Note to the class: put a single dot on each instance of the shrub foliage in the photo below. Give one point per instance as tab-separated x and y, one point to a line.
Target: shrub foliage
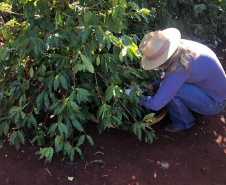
64	63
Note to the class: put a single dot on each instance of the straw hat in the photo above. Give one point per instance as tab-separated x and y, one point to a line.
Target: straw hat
158	46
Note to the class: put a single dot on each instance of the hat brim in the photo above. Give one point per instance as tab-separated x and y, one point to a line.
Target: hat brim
174	37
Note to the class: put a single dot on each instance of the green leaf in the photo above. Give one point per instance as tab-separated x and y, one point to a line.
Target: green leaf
33	120
72	153
56	82
31	72
126	40
77	67
87	16
99	35
74	106
5	54
63	129
4	128
135	128
58	143
130	52
39	138
1	96
109	93
49	42
133	51
82	95
88	64
63	82
108	43
14	110
36	45
199	8
46	100
98	60
21	136
16	138
60	109
42	70
79	152
139	132
52	129
149	137
149	117
39	100
103	110
70	21
47	153
85	34
90	140
29	9
94	44
117	120
22	114
123	53
138	16
56	42
41	45
17	117
81	140
72	95
58	19
77	125
116	41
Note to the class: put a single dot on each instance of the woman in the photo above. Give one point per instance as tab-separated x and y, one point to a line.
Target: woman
194	78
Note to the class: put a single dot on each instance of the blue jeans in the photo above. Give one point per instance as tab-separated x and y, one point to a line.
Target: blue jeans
191	98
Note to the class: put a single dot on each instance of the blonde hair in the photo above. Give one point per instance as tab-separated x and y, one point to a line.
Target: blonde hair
181	57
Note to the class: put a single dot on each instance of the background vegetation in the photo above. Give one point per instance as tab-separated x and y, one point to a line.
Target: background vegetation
64	63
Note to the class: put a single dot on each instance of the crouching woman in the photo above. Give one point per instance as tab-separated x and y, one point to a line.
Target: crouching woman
194	78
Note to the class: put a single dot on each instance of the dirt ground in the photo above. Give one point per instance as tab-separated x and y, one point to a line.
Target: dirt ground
193	157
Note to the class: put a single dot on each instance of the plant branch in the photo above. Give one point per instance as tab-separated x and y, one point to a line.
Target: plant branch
94	87
28	137
128	110
103	78
186	19
15	13
6	11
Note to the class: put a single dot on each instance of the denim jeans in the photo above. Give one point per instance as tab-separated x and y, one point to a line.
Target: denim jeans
191	98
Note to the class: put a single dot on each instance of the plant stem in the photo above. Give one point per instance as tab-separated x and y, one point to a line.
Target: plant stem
127	110
28	137
95	87
6	11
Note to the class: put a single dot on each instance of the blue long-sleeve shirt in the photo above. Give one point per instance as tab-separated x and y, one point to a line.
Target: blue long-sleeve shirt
207	74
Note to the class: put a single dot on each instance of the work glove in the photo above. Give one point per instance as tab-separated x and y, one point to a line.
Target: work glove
127	91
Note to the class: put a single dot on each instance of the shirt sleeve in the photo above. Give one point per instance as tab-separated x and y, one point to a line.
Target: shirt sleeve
168	89
157	83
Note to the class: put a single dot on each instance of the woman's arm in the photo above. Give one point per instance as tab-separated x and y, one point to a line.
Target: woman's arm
155	85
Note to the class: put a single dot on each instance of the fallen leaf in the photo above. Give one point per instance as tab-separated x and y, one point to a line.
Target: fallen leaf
70	178
98	161
169	138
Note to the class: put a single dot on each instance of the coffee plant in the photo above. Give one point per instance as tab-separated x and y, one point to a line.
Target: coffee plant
64	63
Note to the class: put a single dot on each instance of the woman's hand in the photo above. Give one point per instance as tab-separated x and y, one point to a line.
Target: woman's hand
150	87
